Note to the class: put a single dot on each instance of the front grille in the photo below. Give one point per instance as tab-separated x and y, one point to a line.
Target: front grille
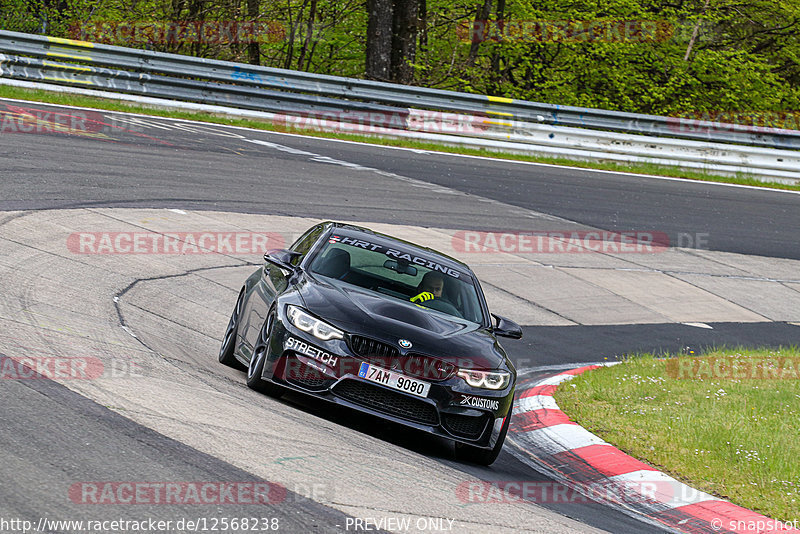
386	401
412	364
303	375
465	426
366	348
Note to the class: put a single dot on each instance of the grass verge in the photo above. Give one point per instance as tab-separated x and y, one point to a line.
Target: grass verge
727	423
68	99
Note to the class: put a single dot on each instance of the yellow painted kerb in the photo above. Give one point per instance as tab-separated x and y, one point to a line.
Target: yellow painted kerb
500	99
72	42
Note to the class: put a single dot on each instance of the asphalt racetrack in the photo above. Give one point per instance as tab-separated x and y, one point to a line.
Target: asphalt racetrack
161	410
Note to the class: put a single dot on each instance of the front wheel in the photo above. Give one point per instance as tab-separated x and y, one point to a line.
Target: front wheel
226	356
256	367
476	455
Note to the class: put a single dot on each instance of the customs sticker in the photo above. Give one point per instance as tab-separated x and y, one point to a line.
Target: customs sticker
478	402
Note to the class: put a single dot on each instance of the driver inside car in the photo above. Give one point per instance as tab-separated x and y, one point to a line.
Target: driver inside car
431	287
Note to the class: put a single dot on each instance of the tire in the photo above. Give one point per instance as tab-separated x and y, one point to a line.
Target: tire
226	356
256	367
476	455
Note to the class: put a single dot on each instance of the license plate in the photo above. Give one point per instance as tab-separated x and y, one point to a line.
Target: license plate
394	380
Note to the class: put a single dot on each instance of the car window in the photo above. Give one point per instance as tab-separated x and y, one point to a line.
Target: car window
304	243
400	274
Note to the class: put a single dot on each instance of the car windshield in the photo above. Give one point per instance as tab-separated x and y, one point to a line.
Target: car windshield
402	274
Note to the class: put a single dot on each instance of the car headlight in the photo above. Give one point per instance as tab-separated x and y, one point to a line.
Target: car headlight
485	379
308	323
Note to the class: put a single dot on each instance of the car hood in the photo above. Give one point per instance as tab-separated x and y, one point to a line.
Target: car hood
368	313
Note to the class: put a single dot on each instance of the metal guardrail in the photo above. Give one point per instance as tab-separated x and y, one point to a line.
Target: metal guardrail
44	70
350	105
471	131
280	90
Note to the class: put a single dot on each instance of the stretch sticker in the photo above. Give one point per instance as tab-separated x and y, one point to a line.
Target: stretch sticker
311	351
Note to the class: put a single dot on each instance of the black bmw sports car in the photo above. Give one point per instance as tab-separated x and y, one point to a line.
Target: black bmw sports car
382	326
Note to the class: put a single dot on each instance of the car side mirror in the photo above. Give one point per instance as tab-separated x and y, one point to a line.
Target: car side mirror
506	328
282	258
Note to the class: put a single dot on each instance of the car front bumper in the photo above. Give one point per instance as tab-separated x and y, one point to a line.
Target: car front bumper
330	370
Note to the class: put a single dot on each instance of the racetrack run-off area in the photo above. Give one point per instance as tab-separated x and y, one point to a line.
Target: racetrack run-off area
85	276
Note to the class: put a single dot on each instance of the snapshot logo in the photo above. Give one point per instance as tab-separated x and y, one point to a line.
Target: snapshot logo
172	32
628	492
754	525
169	493
566	31
561	242
734	368
174	242
65	368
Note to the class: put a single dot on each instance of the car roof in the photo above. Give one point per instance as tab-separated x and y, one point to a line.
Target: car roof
351	230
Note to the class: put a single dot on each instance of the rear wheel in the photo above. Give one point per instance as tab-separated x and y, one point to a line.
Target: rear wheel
256	367
228	347
476	455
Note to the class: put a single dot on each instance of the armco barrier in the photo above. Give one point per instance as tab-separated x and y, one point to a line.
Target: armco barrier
501	123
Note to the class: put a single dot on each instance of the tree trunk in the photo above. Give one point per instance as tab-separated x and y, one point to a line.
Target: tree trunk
196	14
404	40
423	24
293	26
481	18
309	35
496	76
694	35
379	40
253	48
